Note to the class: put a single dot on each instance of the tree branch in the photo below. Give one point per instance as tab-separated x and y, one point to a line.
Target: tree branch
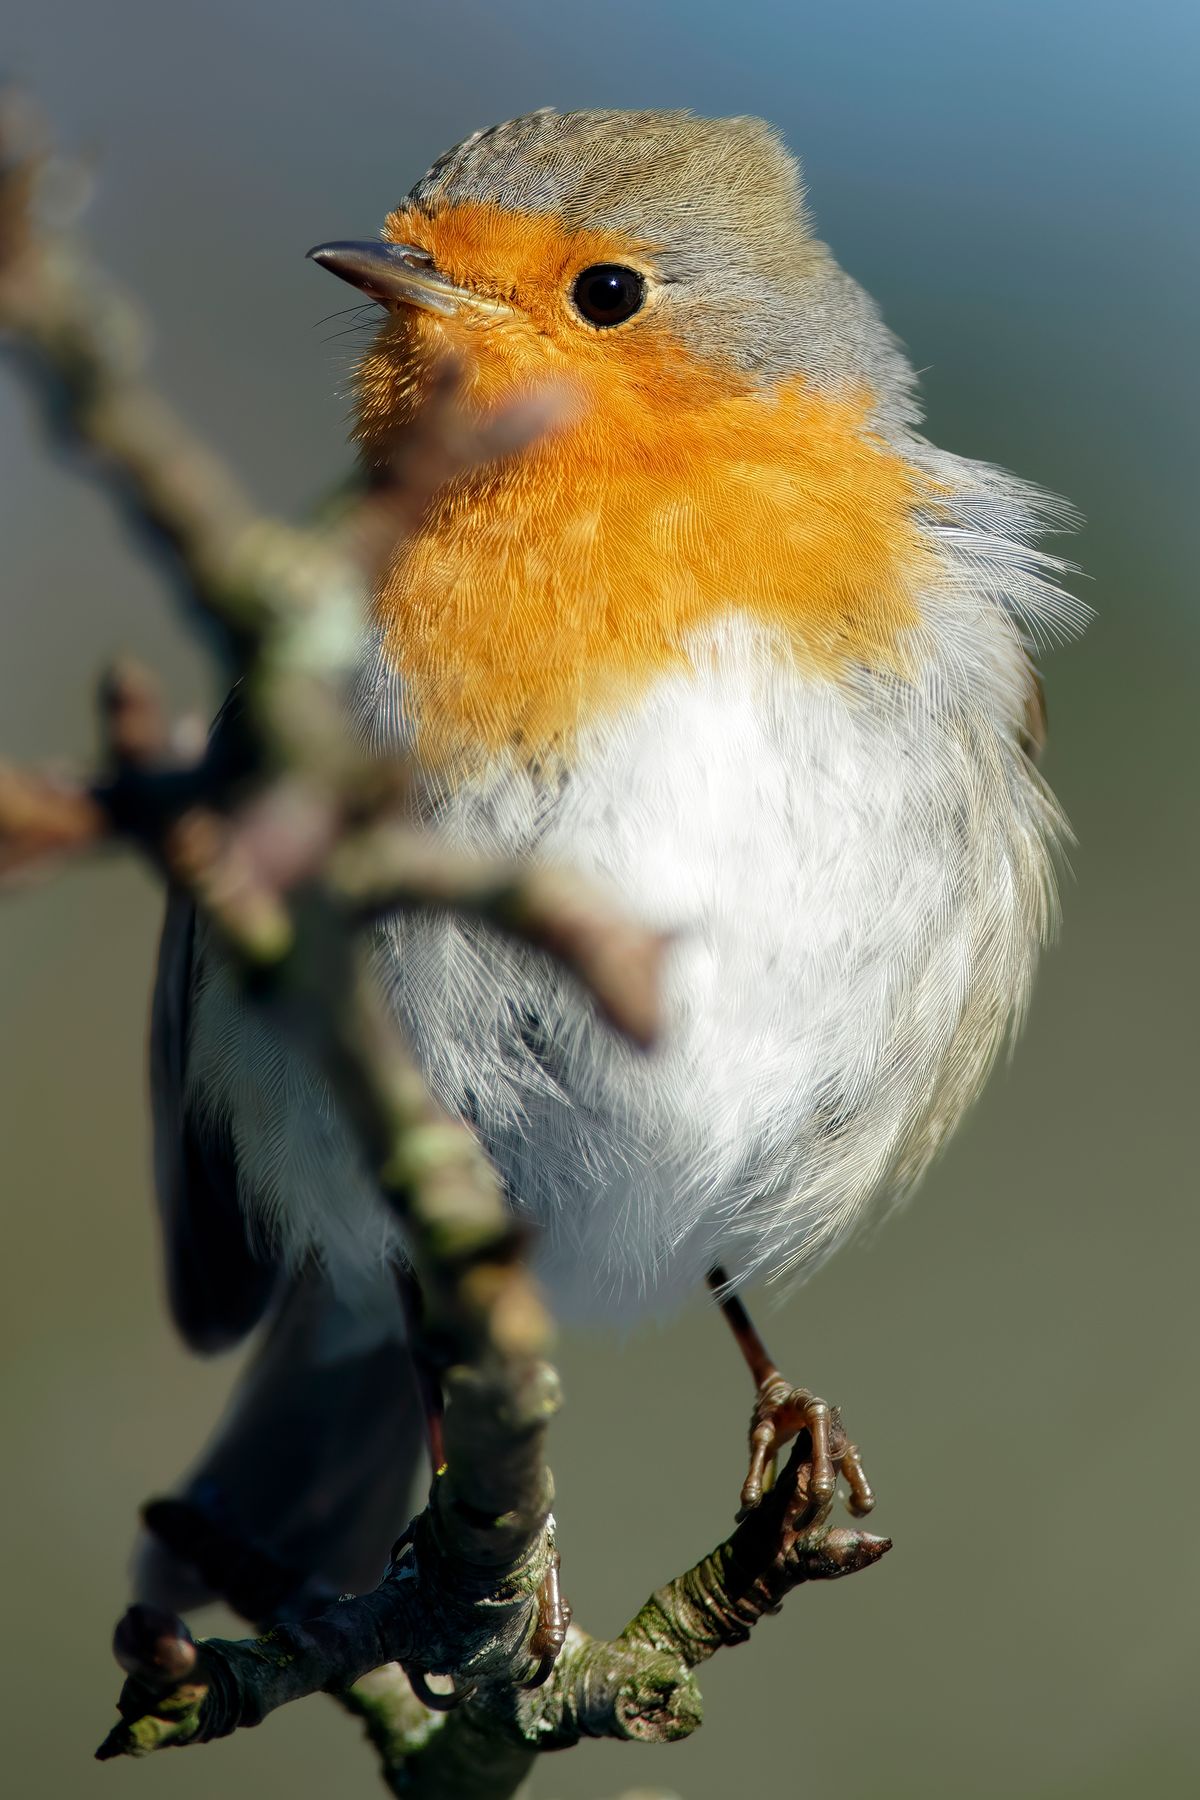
393	868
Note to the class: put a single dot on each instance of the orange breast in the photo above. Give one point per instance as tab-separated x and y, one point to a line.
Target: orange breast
553	589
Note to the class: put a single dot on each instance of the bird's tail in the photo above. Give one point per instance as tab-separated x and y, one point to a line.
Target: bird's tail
308	1479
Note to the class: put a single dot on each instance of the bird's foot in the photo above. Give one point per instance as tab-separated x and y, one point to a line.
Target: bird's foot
548	1637
553	1619
781	1413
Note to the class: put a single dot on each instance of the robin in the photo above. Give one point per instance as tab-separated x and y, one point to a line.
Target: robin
738	642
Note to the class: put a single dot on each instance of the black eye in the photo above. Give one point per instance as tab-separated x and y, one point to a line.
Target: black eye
608	294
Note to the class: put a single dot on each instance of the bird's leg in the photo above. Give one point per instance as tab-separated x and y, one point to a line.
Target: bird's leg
781	1412
429	1385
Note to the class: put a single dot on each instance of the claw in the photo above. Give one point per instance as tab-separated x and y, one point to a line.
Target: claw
437	1699
823	1479
554	1618
762	1453
780	1414
862	1497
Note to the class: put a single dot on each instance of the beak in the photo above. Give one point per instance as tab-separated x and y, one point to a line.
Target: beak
399	275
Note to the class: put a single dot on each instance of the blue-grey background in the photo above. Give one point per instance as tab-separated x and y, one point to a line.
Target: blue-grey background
1017	184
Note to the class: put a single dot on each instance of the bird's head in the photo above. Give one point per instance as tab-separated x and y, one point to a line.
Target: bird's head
654	259
731	448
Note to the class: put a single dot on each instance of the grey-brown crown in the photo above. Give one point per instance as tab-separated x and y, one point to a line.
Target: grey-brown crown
668	177
721	203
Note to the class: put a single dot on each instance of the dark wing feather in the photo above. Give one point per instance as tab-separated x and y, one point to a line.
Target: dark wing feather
313	1461
218	1284
312	1466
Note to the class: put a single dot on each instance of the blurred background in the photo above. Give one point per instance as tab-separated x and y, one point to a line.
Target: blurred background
1016	182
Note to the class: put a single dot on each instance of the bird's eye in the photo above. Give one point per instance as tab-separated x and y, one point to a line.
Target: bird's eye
608	294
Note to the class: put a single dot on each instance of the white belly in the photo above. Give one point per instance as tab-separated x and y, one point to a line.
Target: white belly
856	876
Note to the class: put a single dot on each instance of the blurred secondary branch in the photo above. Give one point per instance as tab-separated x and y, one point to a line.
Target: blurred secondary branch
292	840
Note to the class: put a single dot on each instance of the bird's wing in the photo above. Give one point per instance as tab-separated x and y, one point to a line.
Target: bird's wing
219	1282
312	1466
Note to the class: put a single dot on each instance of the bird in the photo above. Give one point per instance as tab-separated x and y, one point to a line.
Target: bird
739	643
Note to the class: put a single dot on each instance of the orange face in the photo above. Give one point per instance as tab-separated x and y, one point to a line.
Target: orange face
555	587
527	262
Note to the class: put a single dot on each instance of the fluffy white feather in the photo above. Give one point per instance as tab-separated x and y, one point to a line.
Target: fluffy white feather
858	874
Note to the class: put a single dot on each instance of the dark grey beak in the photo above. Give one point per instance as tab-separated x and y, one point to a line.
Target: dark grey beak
398	275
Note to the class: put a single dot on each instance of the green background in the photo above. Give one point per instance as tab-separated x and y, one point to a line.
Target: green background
1016	183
